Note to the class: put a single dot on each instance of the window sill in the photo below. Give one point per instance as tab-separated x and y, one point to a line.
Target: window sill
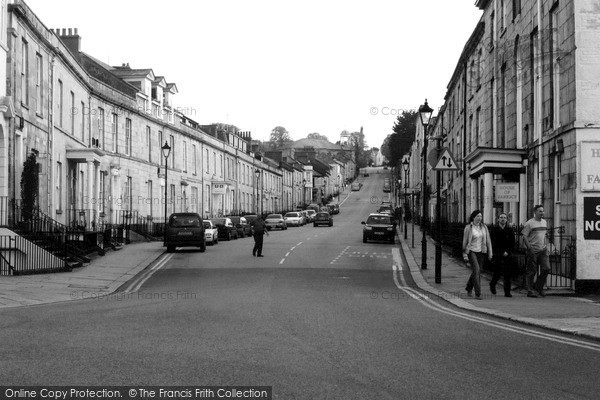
59	212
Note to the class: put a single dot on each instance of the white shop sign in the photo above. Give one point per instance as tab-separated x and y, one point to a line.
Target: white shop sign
507	192
590	166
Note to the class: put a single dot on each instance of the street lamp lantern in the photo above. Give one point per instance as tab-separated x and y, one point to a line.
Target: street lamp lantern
166	151
425	114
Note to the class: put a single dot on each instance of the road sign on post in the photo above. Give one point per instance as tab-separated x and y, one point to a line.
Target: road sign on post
446	161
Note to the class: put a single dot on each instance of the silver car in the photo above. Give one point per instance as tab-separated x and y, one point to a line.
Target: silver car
275	221
294	218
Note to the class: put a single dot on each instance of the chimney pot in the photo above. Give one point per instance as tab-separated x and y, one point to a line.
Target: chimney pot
75	31
64	31
70	32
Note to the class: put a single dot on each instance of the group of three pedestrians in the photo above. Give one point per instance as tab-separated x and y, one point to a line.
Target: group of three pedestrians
498	247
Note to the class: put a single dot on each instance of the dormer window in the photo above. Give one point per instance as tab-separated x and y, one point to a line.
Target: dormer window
154	94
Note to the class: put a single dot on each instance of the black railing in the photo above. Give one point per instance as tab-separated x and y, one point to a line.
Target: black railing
561	249
19	256
82	219
152	228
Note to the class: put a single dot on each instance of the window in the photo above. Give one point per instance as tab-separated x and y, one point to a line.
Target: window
149	200
492	30
477	128
207	162
128	136
59	188
185	157
101	192
502	108
60	104
128	195
101	127
115	133
221	164
195	155
501	11
72	113
82	121
24	73
39	94
516	8
149	142
172	156
161	142
214	163
172	198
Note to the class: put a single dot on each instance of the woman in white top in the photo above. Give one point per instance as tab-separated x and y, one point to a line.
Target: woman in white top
477	243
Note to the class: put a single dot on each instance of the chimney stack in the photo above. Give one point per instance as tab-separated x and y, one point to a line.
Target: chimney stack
71	39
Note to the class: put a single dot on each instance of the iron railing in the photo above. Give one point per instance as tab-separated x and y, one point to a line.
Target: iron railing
19	256
561	248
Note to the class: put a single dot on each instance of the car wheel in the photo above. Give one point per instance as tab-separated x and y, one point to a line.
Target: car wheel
243	235
228	235
364	239
331	224
170	249
216	240
203	247
392	240
314	225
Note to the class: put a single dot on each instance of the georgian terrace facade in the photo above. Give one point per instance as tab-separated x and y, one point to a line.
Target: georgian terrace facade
522	118
97	131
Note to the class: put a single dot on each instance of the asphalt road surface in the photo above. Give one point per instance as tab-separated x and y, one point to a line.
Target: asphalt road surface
321	316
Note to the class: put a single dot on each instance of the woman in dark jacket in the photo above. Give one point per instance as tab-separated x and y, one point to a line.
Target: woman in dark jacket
503	242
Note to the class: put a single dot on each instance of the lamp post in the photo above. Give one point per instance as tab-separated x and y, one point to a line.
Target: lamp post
166	151
257	173
406	167
425	114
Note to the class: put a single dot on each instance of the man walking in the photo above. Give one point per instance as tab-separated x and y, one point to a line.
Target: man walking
534	237
259	228
503	243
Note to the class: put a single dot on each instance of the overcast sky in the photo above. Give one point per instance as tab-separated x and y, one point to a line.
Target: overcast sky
309	66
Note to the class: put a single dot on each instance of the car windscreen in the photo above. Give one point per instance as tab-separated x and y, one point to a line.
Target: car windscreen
323	215
288	215
379	219
274	216
219	221
184	221
206	225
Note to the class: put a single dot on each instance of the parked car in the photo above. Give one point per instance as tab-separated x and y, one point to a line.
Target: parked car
323	218
385	209
311	215
211	233
379	227
185	229
334	209
387	188
314	207
294	218
355	186
241	224
275	221
226	228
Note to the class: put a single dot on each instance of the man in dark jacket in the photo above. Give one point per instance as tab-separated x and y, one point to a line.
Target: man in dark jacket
259	228
503	243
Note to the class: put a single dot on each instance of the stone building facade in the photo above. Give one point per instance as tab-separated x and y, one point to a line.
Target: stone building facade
98	131
521	117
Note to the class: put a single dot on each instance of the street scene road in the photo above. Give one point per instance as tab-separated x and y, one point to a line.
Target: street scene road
321	316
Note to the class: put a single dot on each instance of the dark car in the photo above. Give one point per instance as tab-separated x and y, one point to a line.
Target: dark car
227	230
334	208
379	227
243	227
323	218
185	229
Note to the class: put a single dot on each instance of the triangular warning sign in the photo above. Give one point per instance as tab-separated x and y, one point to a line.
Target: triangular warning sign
446	161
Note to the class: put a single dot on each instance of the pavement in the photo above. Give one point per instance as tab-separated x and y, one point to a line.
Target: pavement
560	310
579	315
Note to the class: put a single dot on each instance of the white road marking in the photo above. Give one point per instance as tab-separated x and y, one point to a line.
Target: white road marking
287	254
282	260
137	284
427	302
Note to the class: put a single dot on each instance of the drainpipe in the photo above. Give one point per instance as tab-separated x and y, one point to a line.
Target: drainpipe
464	143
